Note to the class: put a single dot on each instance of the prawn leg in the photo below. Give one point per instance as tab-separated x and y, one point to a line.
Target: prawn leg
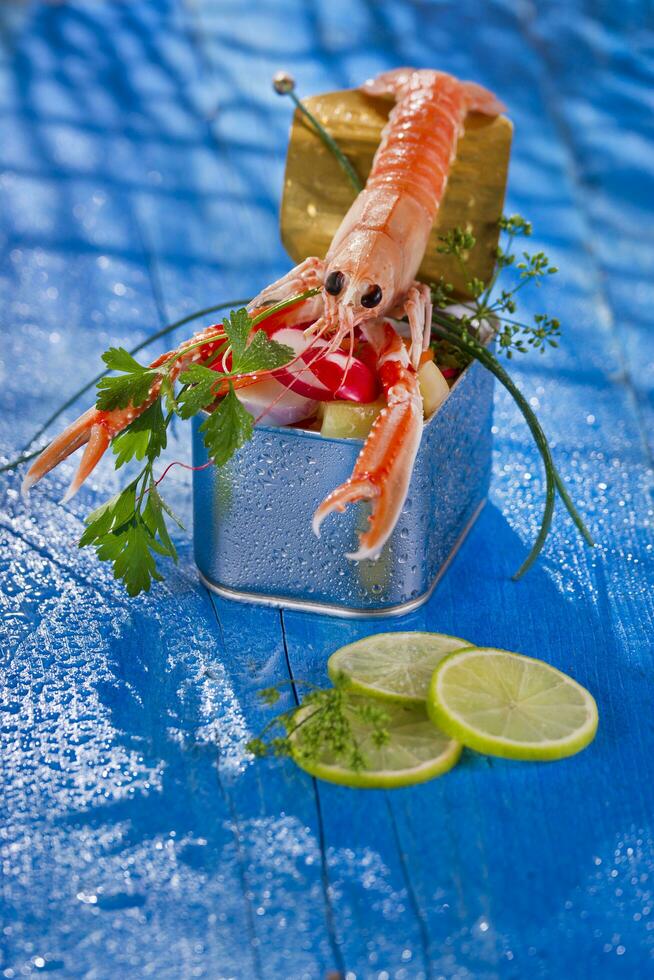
382	472
418	308
307	275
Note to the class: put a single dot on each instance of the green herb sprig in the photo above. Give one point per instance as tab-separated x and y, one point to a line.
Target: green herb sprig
459	338
27	455
321	723
130	530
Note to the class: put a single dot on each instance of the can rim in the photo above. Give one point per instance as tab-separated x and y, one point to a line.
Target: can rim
298	433
335	609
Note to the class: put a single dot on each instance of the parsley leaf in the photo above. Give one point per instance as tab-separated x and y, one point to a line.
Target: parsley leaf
119	359
111	516
202	391
129	531
153	519
203	385
227	428
238	328
132	387
262	354
146	435
130	553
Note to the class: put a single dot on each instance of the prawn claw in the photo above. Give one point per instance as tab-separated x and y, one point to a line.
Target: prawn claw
382	472
72	438
348	493
96	447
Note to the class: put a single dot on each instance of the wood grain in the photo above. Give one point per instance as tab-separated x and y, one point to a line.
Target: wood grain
138	838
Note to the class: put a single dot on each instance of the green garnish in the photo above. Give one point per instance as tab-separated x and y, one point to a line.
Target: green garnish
227	428
325	715
357	740
130	530
460	333
145	436
131	386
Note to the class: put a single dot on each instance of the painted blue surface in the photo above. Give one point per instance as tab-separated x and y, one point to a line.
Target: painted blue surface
141	158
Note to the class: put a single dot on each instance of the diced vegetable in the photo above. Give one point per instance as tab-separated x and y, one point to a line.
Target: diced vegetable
349	420
352	420
324	376
274	404
433	387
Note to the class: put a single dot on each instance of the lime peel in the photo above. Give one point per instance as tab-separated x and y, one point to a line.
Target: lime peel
479	695
393	667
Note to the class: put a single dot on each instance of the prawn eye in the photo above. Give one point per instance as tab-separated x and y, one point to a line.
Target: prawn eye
334	283
372	298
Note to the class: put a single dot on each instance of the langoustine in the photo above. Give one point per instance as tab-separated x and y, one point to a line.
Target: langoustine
369	272
367	276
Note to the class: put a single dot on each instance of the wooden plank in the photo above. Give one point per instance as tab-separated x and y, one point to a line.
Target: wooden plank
317	193
109	780
273	807
610	177
367	874
496	869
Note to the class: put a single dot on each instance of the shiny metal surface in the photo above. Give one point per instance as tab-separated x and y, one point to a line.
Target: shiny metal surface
252	518
343	612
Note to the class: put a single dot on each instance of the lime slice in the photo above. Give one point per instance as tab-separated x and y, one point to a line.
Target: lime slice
415	751
504	704
393	666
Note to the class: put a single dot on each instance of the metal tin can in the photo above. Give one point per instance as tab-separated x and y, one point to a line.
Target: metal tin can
252	517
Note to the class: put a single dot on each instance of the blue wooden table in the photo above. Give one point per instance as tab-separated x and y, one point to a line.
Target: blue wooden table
141	156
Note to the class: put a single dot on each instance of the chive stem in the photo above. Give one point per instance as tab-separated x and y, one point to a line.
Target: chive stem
329	142
25	457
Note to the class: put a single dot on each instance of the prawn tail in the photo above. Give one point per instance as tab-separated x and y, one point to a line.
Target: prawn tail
96	447
479	99
84	431
388	82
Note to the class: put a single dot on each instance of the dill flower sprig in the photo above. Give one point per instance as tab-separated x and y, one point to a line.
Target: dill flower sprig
321	722
462	335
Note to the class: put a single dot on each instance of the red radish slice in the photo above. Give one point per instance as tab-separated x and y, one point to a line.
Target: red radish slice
359	384
298	375
325	377
274	403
